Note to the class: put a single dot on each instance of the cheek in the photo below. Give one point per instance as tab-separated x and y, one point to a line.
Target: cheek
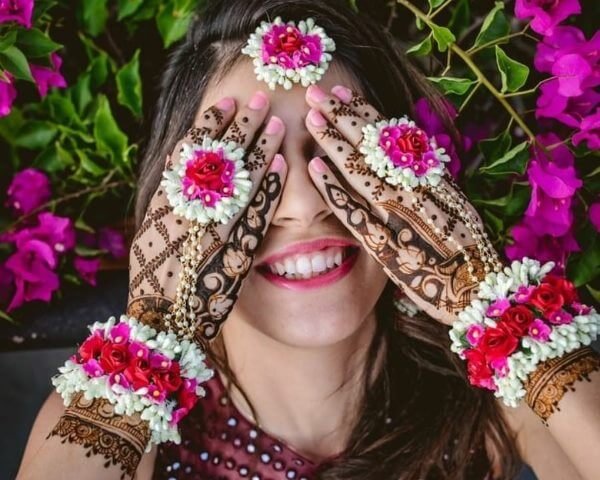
314	318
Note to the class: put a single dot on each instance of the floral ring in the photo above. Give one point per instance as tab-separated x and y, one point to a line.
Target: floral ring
402	153
209	182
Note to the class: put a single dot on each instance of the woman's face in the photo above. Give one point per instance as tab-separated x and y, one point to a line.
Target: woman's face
310	307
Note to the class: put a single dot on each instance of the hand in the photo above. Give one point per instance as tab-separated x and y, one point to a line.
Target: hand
227	250
427	242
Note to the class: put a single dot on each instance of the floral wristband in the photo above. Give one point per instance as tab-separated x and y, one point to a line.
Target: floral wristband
137	370
523	316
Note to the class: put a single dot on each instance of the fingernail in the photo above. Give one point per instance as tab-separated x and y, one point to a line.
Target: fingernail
277	163
343	93
225	104
274	126
258	101
315	117
315	94
318	165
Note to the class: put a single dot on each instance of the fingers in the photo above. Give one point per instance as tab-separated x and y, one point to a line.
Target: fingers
247	121
223	273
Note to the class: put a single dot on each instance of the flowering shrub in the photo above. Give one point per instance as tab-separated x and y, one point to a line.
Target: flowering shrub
521	81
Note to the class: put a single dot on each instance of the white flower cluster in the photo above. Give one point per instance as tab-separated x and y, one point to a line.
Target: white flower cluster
274	74
406	306
195	210
73	379
382	165
563	338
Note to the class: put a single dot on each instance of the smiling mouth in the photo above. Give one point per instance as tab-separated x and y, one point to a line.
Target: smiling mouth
307	266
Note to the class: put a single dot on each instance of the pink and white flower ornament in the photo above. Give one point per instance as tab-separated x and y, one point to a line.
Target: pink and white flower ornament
209	182
286	53
400	152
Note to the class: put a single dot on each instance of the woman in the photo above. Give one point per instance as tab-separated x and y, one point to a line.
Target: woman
317	374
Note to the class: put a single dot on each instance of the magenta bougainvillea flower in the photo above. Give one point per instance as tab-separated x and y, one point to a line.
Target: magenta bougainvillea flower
553	181
589	131
87	268
527	242
546	14
594	213
112	241
6	285
567	110
28	189
8	93
32	266
19	11
48	77
56	232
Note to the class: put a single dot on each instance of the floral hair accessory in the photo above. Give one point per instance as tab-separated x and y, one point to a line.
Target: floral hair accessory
284	53
138	371
523	316
209	183
402	153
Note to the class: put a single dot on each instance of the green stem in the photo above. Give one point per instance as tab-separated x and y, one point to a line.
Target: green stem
474	50
440	8
471	93
474	68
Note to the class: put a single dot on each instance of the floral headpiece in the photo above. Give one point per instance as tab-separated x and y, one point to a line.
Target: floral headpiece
284	53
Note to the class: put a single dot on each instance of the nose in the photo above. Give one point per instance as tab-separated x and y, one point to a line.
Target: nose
301	204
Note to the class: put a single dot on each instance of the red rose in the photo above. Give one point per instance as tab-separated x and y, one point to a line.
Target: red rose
290	42
138	373
547	298
497	343
169	380
205	170
413	142
91	348
516	320
187	398
480	374
563	286
114	357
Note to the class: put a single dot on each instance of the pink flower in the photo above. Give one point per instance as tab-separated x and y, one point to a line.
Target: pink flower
118	378
87	268
57	232
159	362
589	131
33	267
139	350
528	242
474	334
47	77
178	415
560	317
554	182
112	241
290	48
16	11
92	368
208	176
28	189
156	393
580	308
8	93
567	110
523	293
119	334
539	331
7	286
497	308
547	14
500	366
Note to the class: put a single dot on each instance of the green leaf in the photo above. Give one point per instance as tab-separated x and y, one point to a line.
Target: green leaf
35	43
109	137
511	205
512	162
36	134
494	26
13	60
421	48
461	17
494	223
435	3
84	251
93	15
88	165
7	317
172	24
585	267
129	85
492	148
8	40
62	110
443	37
98	69
125	8
353	5
455	85
54	159
513	74
81	94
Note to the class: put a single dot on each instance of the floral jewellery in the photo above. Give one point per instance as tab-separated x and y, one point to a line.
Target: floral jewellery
404	155
284	53
523	316
137	370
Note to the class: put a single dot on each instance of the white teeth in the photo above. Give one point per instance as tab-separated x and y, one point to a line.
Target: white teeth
308	265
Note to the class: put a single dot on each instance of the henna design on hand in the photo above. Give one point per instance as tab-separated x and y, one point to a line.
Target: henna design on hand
120	439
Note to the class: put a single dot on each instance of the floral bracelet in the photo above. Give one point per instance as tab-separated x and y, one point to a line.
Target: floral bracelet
523	316
138	370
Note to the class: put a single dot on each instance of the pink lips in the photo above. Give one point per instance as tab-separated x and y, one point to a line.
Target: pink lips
307	247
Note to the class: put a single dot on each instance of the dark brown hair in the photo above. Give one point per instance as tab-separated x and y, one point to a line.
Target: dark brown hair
419	416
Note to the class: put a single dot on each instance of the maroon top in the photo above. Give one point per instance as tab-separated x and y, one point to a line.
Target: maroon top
219	443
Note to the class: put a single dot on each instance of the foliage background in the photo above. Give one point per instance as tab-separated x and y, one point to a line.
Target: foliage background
86	138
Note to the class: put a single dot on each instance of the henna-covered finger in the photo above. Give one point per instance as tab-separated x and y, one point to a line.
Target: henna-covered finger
248	120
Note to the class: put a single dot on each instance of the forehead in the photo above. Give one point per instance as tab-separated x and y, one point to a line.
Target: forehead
241	83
